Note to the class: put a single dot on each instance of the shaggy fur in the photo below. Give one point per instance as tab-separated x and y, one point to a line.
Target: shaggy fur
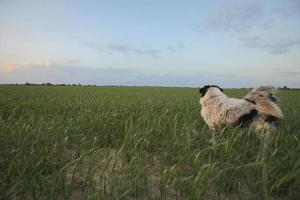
259	109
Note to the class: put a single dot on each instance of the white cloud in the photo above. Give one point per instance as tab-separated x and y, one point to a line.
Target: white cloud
14	66
111	76
122	48
279	46
289	8
235	17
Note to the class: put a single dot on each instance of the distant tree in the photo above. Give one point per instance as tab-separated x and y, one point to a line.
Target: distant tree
285	87
27	83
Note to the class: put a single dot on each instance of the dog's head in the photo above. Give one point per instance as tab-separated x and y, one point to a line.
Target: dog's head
205	88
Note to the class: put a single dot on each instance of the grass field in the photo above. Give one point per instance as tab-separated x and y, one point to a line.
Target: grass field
137	143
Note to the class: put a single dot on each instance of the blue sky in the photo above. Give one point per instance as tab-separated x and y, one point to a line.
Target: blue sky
149	42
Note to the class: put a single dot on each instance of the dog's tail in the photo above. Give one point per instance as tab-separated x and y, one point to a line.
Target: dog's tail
266	102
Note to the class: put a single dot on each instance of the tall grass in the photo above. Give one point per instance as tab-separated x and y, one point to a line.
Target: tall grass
138	143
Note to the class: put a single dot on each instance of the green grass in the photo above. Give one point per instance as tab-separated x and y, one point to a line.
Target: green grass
137	143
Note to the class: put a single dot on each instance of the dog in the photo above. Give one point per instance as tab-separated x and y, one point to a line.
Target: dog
258	109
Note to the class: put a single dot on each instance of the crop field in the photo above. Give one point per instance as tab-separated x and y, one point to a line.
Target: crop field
138	143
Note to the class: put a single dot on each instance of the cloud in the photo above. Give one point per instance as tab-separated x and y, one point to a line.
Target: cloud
279	46
289	8
69	73
288	74
122	48
74	60
235	17
9	67
246	18
116	76
176	47
13	66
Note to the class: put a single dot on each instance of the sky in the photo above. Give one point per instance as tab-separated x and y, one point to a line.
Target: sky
151	42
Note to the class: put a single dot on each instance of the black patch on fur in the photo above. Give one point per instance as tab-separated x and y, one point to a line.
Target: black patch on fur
204	89
272	98
272	120
250	100
246	119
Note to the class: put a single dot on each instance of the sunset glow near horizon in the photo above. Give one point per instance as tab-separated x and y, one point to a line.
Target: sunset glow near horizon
151	42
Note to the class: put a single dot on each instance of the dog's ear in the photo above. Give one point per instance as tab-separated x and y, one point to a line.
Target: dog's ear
220	88
217	87
203	90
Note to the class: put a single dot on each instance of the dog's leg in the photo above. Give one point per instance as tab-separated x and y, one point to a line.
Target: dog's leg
264	131
213	150
214	132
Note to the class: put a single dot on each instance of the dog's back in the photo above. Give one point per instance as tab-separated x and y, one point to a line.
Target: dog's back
219	110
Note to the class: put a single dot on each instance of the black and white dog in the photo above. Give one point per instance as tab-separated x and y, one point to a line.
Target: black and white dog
258	109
